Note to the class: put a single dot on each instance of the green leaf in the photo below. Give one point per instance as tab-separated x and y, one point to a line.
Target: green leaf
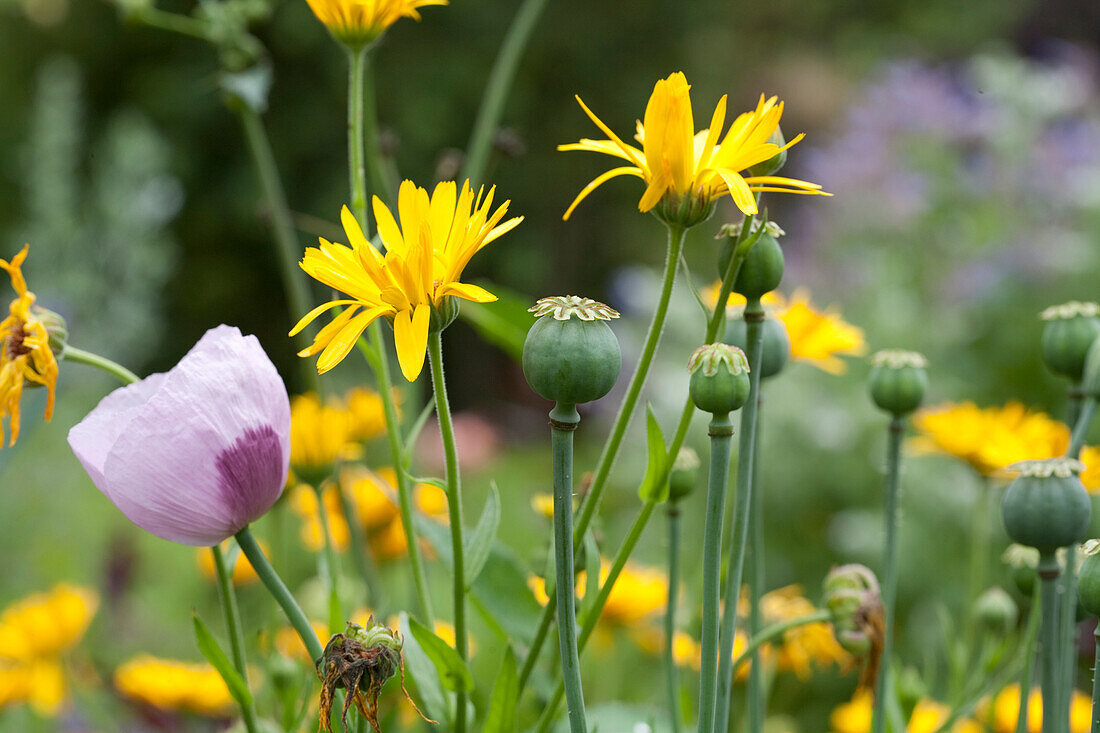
501	590
480	543
591	569
654	487
420	668
504	322
210	649
452	671
501	717
438	536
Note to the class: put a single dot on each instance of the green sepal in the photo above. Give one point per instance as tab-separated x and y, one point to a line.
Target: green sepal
654	487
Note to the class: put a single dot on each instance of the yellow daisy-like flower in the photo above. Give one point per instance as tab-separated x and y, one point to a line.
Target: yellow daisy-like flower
805	645
680	165
321	434
639	592
357	23
368	416
927	717
25	354
171	685
1006	708
424	260
993	438
243	572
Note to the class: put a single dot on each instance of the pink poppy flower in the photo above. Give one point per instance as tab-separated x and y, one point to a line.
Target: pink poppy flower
197	453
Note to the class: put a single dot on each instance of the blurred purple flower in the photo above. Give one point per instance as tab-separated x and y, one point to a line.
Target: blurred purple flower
195	454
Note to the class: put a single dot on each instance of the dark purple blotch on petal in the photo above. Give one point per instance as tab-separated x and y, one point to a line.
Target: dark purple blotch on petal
250	474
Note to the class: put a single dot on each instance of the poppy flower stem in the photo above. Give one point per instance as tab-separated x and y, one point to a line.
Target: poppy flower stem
80	356
1049	569
890	569
277	588
330	568
672	674
236	634
454	507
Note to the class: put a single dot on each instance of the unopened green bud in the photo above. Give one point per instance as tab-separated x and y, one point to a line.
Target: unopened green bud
1046	507
996	611
684	474
1023	562
1070	330
719	378
853	599
56	328
685	211
443	314
777	343
1088	581
772	165
898	381
571	355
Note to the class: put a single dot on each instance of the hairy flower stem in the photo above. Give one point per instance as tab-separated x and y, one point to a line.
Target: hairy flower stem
721	437
330	568
717	320
754	319
362	125
287	245
80	356
279	592
1048	641
756	692
454	507
563	421
890	569
496	91
592	615
236	635
672	677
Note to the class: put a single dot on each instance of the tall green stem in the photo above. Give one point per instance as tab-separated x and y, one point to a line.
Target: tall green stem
1028	651
754	320
279	592
454	506
287	246
1048	641
1067	634
890	569
563	421
357	172
672	677
496	91
721	437
1080	431
360	556
592	615
757	682
80	356
236	635
1096	686
331	566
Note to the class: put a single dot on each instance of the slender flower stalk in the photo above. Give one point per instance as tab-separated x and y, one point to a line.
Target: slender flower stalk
236	634
563	422
1028	651
496	90
357	169
279	592
1049	570
671	670
1080	431
80	356
454	506
721	436
754	319
755	693
890	575
330	565
1096	685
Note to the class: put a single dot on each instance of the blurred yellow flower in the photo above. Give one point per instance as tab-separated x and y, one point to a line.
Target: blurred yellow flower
994	438
289	644
320	436
1006	708
25	354
174	686
927	717
679	164
803	646
357	23
243	572
424	260
46	624
370	493
817	337
368	416
543	504
639	592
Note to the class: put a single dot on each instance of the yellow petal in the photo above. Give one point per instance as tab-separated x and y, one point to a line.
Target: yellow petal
342	342
739	190
468	292
308	317
387	226
410	336
599	181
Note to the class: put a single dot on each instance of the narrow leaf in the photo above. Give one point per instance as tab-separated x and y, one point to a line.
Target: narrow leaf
654	488
210	649
501	717
420	668
479	544
438	536
452	671
591	569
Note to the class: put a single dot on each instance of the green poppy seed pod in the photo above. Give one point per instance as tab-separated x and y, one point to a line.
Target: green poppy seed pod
571	355
443	314
1023	563
684	474
1068	333
730	234
898	381
996	612
777	343
719	378
772	165
1088	580
1046	507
